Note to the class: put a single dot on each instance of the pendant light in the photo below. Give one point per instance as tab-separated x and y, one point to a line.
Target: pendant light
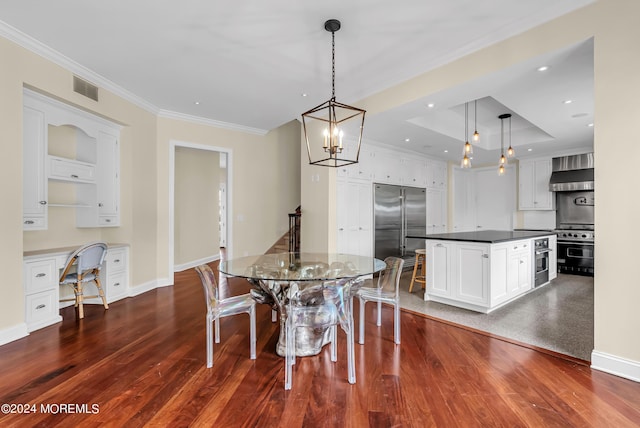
323	125
467	151
510	152
476	134
503	159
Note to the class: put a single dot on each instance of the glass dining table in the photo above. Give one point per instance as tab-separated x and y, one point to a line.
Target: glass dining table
273	276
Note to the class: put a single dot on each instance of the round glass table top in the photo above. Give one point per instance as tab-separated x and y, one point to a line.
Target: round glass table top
301	266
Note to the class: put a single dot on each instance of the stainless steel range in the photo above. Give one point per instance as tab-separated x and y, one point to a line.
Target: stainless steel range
572	180
575	251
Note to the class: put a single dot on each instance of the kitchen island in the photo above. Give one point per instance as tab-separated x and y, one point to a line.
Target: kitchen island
483	270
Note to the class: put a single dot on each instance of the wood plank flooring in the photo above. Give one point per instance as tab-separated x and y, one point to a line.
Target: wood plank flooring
143	363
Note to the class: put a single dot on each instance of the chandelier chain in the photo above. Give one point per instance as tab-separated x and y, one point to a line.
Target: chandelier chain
333	64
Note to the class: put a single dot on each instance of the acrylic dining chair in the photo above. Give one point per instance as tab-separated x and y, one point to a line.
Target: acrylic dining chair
223	307
386	290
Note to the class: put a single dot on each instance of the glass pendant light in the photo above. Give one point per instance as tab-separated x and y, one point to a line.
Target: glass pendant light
503	159
476	134
510	152
468	148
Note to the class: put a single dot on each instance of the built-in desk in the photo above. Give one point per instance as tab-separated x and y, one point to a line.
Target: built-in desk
41	272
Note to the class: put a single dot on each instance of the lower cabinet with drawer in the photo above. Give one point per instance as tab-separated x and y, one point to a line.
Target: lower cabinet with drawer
41	293
42	269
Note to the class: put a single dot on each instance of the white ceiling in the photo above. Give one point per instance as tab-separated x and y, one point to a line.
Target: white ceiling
248	62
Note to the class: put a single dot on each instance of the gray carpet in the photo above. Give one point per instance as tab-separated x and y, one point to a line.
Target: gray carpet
557	316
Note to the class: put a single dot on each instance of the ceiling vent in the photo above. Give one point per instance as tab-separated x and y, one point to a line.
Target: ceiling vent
85	88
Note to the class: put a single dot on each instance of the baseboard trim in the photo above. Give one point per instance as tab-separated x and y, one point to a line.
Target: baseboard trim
189	265
614	365
13	333
148	286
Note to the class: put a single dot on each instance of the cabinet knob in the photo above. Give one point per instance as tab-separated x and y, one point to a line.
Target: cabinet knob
117	284
40	275
74	176
116	261
486	256
41	306
43	202
29	222
100	204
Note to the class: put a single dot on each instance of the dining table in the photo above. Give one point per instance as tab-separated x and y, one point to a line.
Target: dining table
275	276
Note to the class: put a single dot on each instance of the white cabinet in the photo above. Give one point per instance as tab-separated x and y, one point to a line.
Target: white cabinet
436	211
413	172
41	292
355	217
457	272
34	183
437	174
439	268
478	276
534	178
77	149
553	257
41	272
471	277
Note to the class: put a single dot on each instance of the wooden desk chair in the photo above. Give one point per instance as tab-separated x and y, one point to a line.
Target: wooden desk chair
88	260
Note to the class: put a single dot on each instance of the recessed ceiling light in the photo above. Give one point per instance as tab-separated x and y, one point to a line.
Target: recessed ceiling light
529	150
590	125
304	94
543	68
407	140
431	105
197	103
446	151
567	101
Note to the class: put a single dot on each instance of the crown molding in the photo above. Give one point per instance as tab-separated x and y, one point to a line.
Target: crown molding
210	122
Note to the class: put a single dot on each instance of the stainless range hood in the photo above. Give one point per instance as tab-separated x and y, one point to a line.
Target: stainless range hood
572	173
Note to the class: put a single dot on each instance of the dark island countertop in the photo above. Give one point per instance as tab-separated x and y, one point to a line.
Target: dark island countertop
485	236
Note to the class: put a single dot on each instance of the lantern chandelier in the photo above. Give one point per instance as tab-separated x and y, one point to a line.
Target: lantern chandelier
324	133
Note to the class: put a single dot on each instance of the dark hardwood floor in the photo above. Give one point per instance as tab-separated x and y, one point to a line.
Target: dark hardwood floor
142	363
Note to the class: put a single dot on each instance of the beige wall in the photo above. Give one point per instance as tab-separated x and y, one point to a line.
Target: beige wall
613	24
266	180
197	219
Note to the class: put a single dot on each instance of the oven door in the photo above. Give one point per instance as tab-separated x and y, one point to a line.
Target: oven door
542	266
576	257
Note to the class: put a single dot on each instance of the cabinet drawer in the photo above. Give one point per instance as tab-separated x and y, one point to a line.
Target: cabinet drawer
108	221
33	223
116	260
116	286
40	275
41	306
71	170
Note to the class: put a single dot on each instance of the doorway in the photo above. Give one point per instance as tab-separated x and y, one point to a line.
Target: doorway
199	203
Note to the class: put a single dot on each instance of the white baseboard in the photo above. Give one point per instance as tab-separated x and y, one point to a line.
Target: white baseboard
194	263
614	365
13	333
148	286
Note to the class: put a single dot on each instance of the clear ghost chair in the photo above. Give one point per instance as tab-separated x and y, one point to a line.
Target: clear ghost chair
387	290
218	308
334	309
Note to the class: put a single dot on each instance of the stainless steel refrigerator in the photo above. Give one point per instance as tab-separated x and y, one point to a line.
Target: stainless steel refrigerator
399	211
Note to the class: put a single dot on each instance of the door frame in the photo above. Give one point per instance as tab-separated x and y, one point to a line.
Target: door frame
173	145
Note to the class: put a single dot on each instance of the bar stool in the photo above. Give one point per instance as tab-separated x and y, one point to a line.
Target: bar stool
421	255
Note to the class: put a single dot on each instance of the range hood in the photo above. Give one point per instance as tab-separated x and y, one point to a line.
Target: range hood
572	173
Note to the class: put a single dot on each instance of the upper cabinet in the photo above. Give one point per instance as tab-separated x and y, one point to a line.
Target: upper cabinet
71	160
437	174
534	175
